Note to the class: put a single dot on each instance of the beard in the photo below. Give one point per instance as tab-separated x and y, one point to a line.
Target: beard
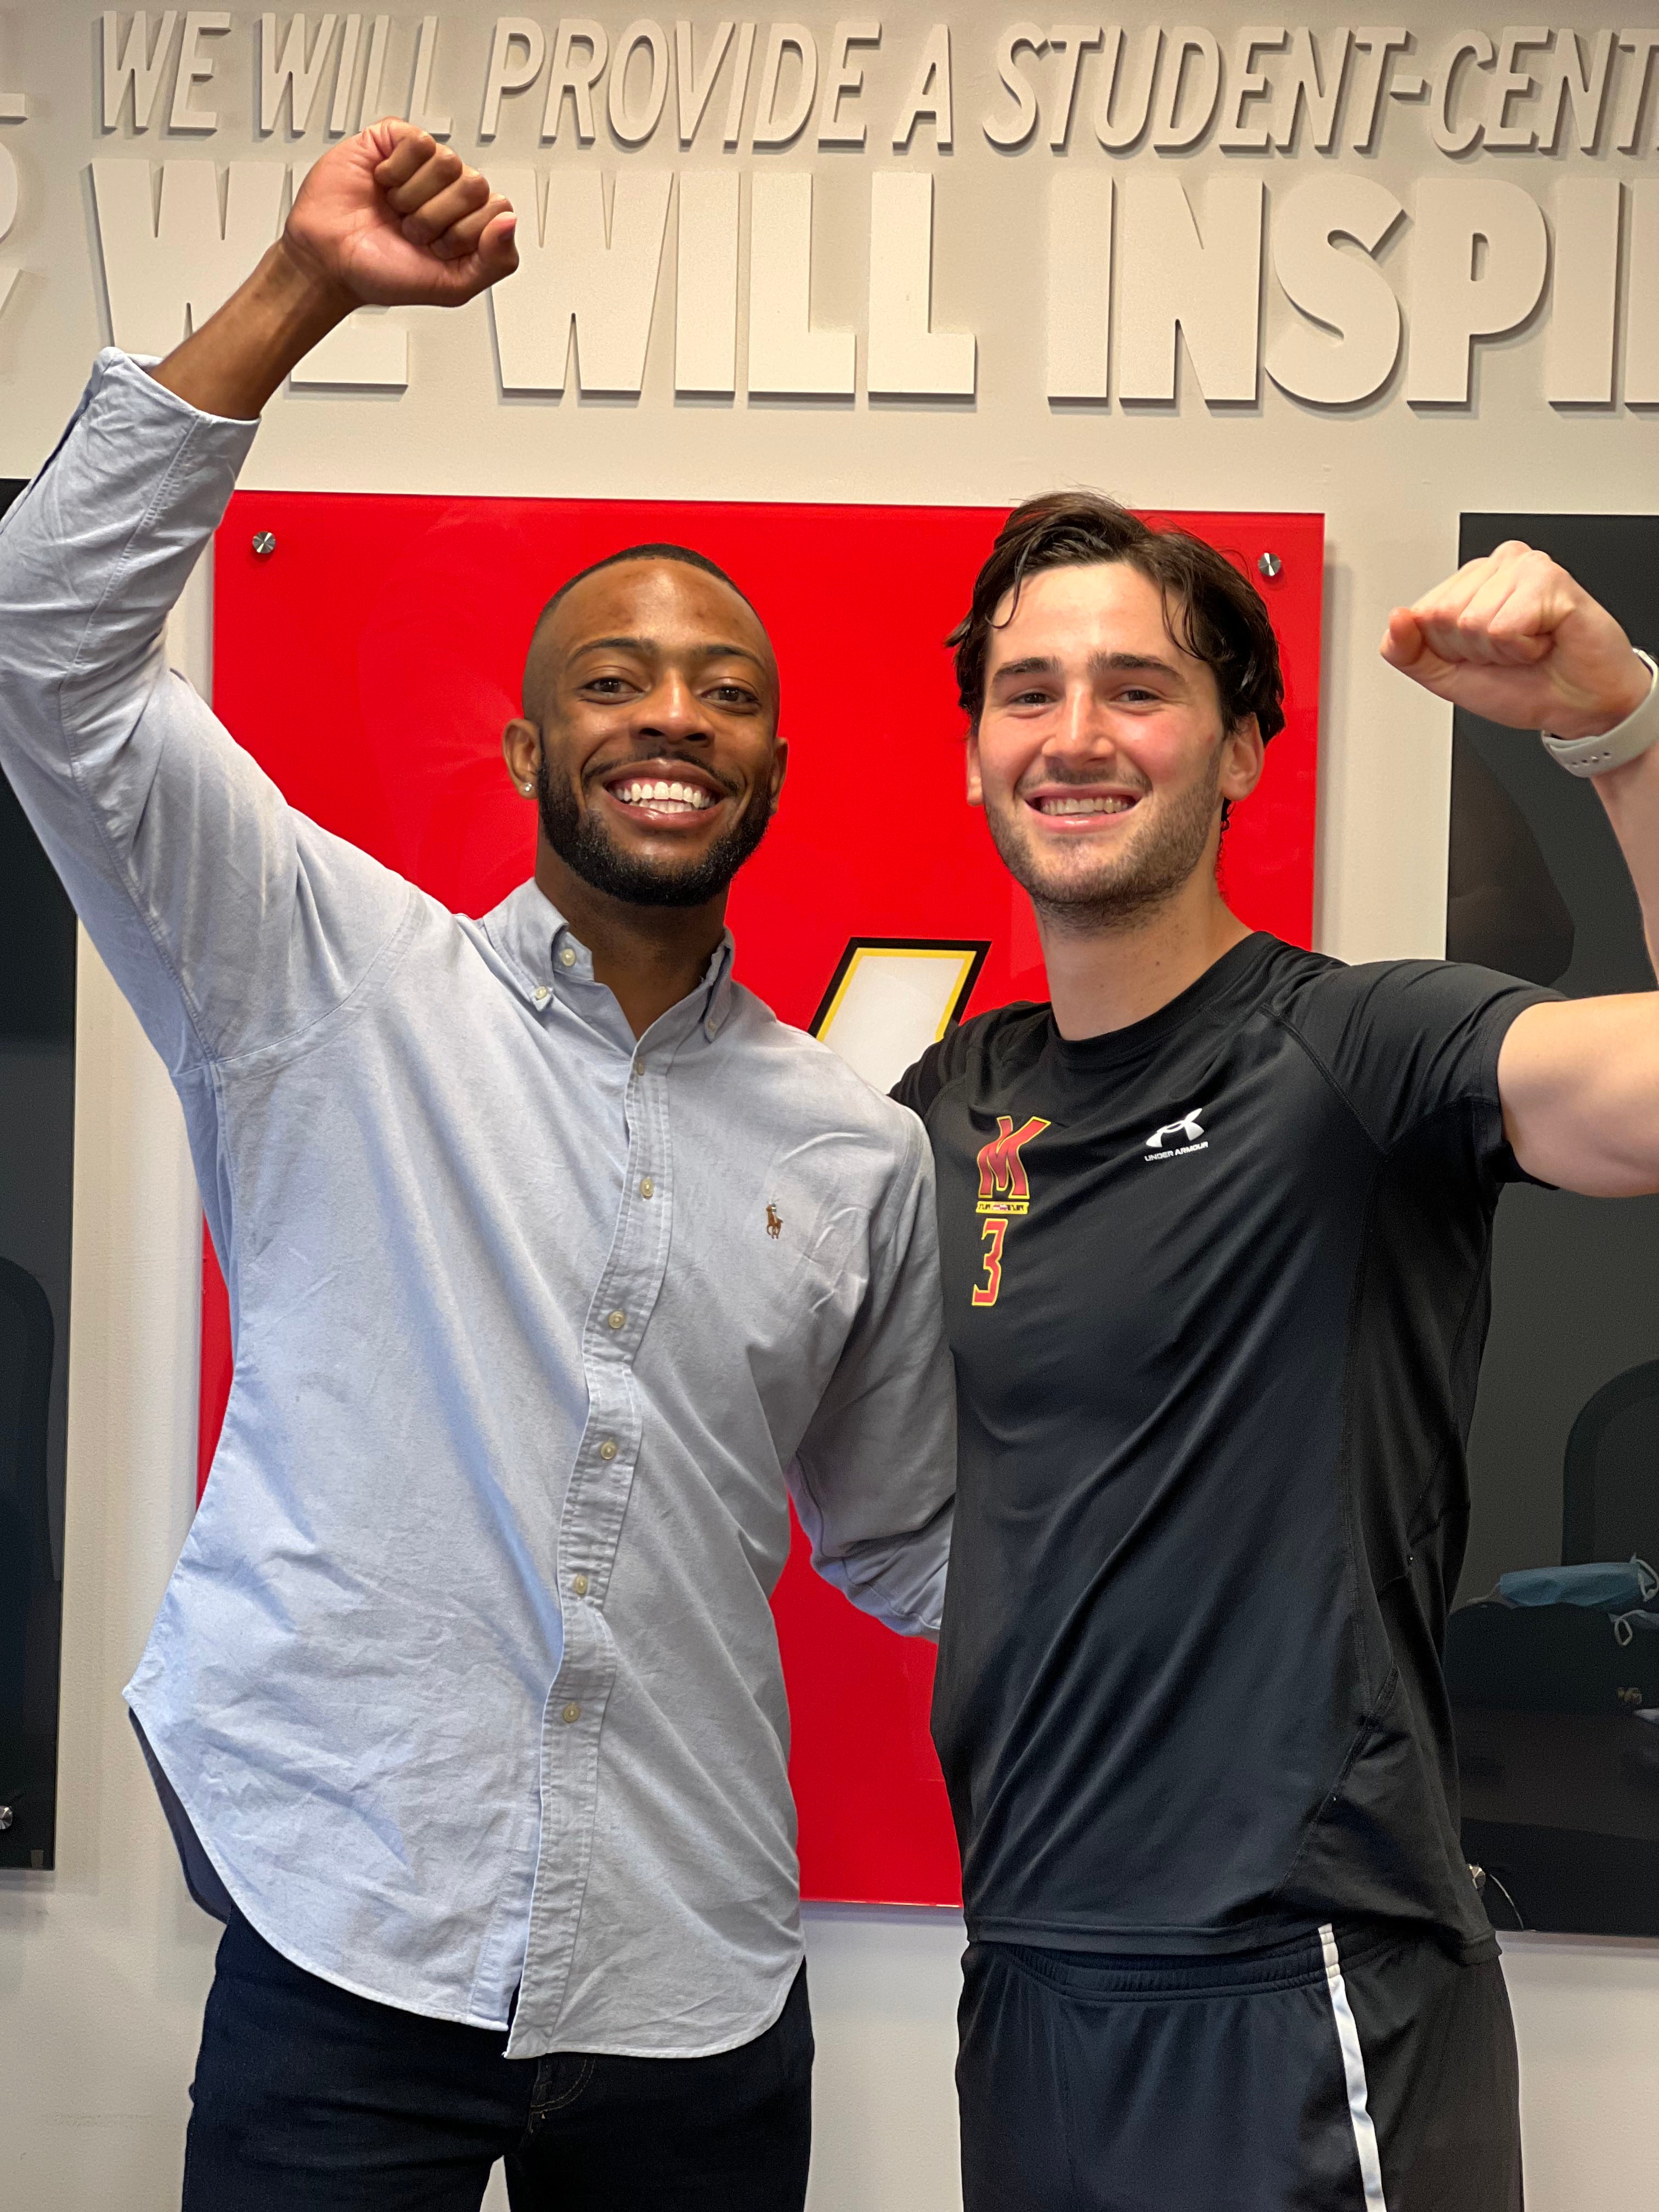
1081	896
584	845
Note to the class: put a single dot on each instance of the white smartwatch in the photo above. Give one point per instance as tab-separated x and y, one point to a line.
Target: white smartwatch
1626	741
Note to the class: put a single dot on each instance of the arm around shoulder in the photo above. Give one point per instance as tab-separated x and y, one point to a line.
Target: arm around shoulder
874	1480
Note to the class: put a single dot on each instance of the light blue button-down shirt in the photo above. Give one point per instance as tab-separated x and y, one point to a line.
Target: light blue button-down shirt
467	1681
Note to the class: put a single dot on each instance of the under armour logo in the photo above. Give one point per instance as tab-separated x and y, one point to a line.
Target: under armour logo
774	1222
1189	1127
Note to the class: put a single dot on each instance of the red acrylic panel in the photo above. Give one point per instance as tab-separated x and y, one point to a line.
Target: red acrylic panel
369	664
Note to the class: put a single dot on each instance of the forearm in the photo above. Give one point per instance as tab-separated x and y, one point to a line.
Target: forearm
239	356
898	1579
1630	796
388	218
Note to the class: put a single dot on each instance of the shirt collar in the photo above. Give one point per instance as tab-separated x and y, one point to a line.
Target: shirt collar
543	955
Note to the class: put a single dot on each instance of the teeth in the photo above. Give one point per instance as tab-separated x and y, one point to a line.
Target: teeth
1084	805
680	798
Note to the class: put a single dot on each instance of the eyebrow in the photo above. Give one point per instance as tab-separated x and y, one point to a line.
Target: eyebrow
1100	664
649	645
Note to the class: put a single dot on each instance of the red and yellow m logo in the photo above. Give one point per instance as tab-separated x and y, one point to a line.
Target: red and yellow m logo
1001	1170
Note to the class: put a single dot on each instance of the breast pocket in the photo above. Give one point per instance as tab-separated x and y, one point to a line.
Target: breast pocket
780	1264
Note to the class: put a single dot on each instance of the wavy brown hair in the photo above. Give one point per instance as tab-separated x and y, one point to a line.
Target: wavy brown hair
1214	612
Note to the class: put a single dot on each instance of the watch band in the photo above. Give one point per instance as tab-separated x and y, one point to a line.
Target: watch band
1626	741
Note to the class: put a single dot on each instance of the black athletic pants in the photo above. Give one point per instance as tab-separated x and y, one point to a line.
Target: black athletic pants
308	2099
1358	2070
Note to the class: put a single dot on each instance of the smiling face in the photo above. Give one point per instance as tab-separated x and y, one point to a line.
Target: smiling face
650	731
1100	757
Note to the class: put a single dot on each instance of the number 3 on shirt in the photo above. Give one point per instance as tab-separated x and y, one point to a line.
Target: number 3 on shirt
985	1293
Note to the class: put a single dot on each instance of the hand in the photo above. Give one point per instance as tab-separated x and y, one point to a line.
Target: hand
390	218
1515	639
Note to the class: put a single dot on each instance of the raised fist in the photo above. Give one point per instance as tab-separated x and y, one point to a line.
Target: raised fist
393	219
1515	639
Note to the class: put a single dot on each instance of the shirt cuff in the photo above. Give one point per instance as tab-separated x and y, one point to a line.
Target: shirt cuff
114	365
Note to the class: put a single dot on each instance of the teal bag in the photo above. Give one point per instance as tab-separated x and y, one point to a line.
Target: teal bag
1609	1587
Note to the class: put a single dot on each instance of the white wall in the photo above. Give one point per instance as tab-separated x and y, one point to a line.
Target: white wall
103	1962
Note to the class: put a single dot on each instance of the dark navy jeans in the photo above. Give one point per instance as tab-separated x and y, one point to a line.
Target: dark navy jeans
307	2097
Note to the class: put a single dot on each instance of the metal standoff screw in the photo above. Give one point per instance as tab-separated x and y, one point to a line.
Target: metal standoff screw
265	543
1269	564
7	1816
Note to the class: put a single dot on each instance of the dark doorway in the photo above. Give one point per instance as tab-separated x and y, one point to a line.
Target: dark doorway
1561	1782
37	1119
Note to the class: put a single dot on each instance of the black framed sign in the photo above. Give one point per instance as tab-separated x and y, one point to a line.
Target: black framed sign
37	1122
1552	1648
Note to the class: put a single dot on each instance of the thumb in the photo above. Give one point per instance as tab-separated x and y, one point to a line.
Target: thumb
1402	640
498	249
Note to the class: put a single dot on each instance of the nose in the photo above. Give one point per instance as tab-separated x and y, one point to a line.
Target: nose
671	709
1080	728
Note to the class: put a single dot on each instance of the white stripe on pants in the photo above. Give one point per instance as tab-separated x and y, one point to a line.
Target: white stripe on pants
1353	2069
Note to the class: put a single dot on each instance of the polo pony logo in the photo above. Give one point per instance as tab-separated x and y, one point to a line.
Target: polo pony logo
774	1223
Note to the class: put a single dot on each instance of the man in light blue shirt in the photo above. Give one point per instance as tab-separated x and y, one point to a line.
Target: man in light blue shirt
464	1699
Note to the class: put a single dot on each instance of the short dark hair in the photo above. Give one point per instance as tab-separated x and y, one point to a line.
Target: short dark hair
1215	612
681	553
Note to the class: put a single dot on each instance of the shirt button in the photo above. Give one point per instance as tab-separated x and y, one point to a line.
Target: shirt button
608	1449
617	1320
572	1714
542	994
647	1188
568	957
579	1583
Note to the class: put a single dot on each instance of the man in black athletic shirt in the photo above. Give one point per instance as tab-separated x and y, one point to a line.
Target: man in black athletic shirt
1215	1226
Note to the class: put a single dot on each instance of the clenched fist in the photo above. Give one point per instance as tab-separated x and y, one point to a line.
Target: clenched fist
1515	639
393	219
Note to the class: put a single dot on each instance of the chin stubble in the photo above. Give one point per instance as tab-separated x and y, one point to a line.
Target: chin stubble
581	842
1083	901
